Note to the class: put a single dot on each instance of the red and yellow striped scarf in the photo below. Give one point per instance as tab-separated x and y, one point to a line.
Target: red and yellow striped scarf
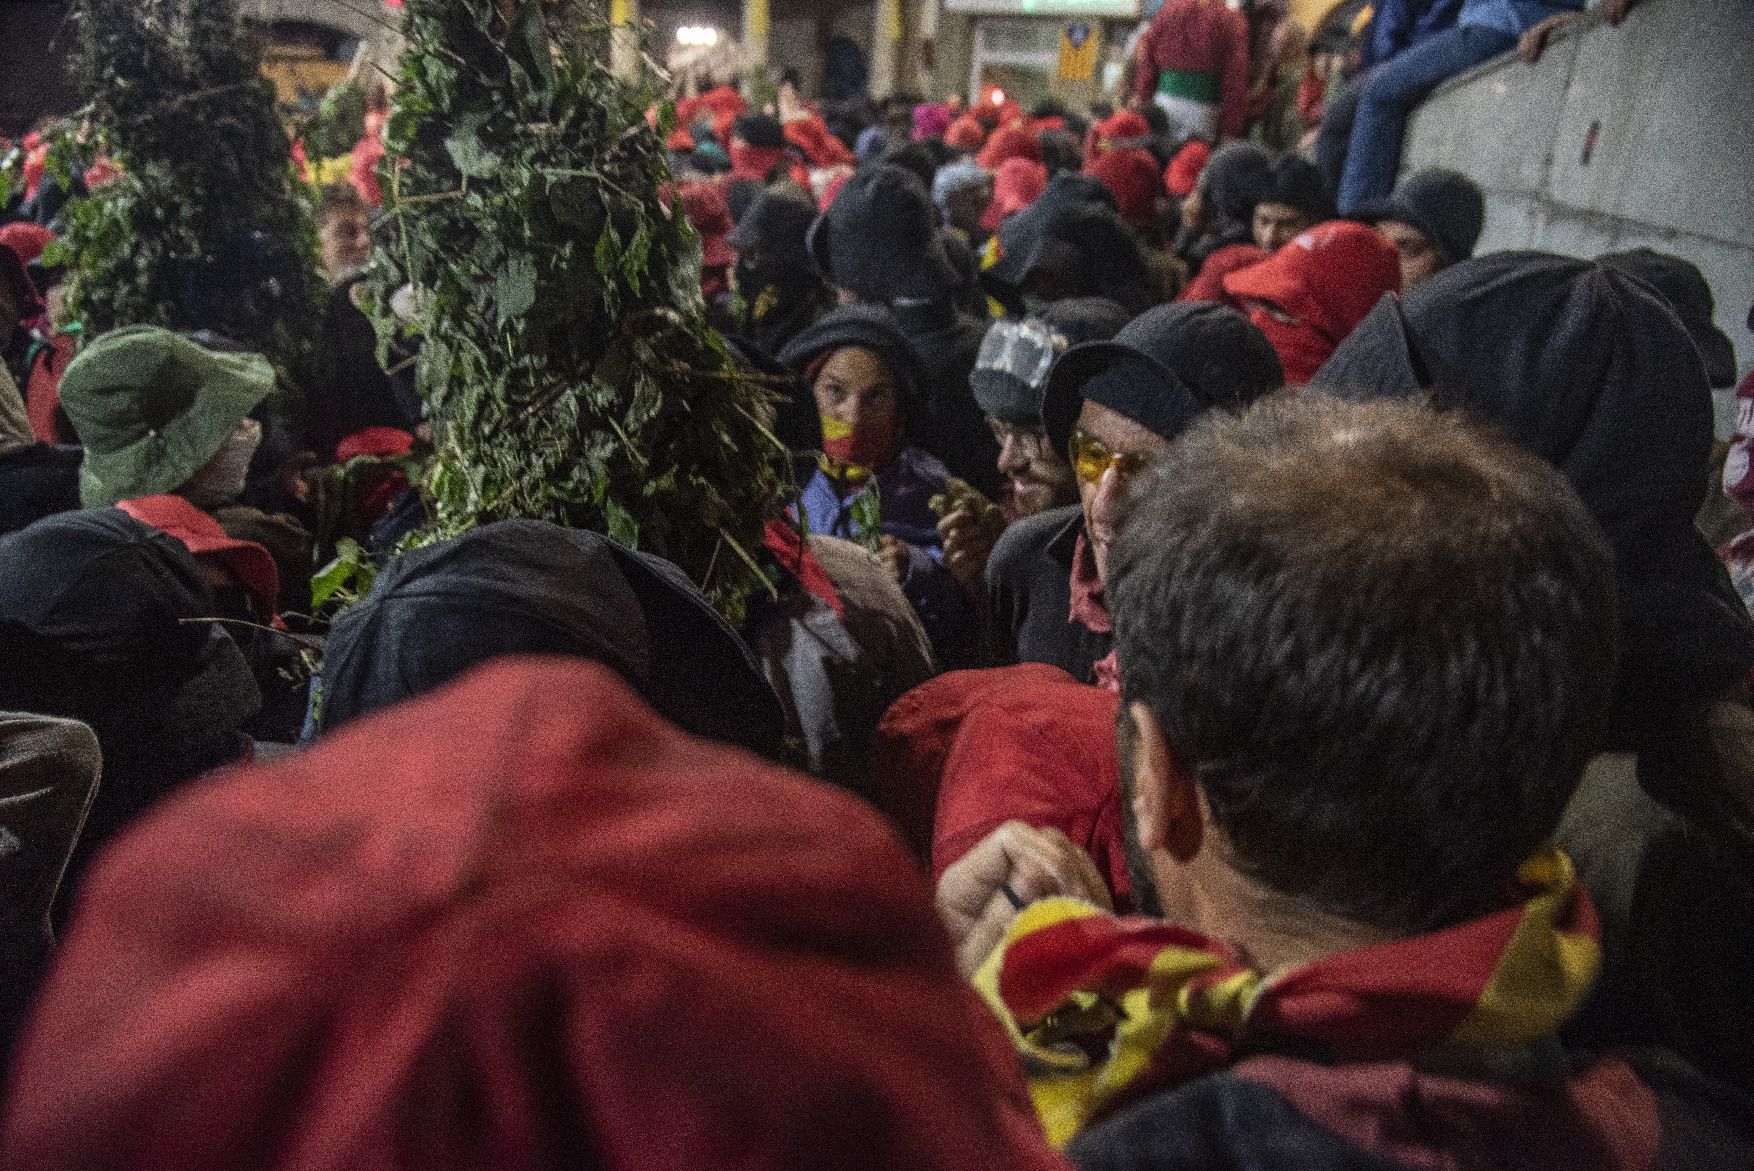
1107	1010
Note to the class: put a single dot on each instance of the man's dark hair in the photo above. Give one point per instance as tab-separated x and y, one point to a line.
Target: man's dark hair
1381	639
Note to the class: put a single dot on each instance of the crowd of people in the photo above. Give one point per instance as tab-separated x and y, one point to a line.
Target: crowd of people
1249	683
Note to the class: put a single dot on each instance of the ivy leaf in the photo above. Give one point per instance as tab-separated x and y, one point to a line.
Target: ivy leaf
623	529
514	290
465	148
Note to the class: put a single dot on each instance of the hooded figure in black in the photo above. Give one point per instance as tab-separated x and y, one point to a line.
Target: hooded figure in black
530	587
1069	243
1589	369
101	621
781	290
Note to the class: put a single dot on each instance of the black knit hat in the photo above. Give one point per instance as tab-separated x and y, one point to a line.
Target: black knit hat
1168	367
1447	207
776	222
1233	180
879	238
1683	286
530	587
1297	183
761	131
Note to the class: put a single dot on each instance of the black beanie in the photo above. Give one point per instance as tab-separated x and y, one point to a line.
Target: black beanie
760	131
1447	207
1297	183
1168	367
879	239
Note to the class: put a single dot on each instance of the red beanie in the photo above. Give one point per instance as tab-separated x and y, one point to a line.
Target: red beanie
966	133
1120	126
1131	175
536	928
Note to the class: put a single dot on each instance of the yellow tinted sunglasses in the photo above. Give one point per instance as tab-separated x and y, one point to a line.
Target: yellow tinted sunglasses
1091	460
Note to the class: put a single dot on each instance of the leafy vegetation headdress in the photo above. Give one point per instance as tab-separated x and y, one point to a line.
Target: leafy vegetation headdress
567	358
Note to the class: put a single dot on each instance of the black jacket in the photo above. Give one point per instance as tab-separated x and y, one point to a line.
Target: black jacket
1029	598
947	341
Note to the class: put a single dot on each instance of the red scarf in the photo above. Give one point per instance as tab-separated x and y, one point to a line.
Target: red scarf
1106	1011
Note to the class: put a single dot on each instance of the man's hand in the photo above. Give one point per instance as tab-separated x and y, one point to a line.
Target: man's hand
1010	868
1534	42
969	534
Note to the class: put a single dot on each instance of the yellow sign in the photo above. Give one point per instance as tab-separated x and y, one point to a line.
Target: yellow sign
1077	52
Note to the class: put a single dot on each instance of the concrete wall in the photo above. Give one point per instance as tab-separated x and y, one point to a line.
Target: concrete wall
1668	100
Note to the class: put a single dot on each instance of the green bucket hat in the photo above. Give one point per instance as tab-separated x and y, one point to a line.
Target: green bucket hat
152	407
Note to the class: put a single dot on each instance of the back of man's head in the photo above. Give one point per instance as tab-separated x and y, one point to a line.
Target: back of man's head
1381	641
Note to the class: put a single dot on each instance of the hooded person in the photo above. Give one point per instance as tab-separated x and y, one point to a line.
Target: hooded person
48	775
781	291
965	134
1590	370
1293	202
1016	184
1123	128
1070	243
1684	289
530	587
1139	392
871	485
562	934
880	244
106	620
1312	293
1220	213
1433	218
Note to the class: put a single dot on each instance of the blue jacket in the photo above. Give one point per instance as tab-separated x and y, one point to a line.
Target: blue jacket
1513	17
905	487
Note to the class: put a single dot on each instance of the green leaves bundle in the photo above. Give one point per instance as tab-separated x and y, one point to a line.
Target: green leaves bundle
203	229
567	359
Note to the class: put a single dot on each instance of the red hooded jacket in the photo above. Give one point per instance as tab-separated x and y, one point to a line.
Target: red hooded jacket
519	923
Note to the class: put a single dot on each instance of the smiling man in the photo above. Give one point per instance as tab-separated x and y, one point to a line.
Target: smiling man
1168	367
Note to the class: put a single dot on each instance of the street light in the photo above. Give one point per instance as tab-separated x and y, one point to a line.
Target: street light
697	36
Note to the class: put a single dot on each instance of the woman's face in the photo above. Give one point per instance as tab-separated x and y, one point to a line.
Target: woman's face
855	387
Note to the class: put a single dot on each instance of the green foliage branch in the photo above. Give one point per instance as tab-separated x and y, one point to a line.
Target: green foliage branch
567	359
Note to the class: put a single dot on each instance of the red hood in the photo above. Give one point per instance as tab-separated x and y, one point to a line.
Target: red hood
519	923
1328	278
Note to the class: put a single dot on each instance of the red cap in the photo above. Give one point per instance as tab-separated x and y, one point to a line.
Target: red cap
201	535
1009	142
1328	278
381	442
1183	173
966	133
1130	173
704	205
680	140
523	923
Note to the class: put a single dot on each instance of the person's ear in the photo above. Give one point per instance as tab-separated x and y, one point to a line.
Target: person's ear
1166	803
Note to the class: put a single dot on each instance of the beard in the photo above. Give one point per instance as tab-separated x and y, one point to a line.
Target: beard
1146	900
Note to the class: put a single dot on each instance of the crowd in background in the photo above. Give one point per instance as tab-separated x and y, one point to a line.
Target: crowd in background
1309	661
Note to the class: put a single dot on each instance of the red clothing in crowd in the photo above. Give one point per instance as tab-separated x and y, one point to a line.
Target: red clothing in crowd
1208	283
1198	36
559	934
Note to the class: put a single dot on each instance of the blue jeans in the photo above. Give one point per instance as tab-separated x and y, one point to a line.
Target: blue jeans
1397	85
